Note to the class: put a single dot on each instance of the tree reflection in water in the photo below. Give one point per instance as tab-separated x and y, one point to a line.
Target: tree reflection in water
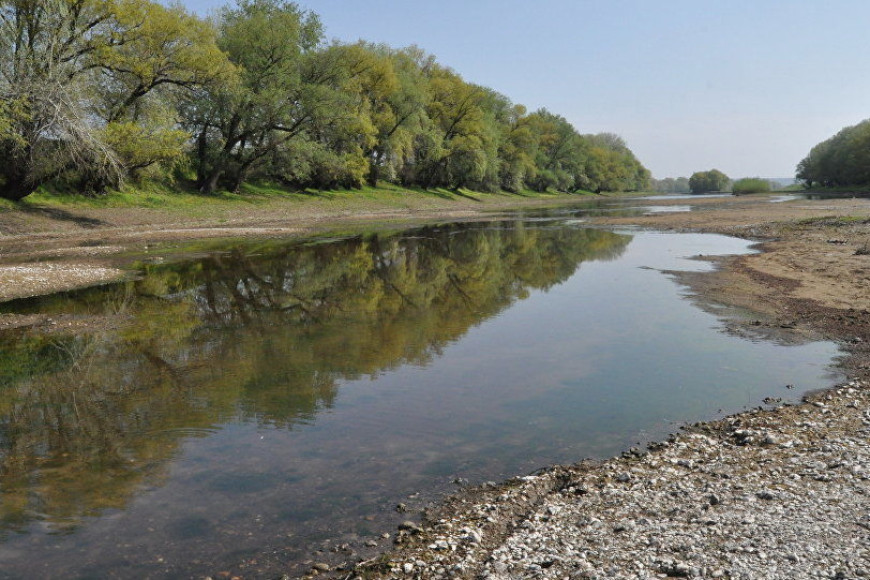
260	333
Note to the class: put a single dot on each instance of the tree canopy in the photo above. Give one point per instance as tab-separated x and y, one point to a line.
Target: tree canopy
708	181
842	160
97	92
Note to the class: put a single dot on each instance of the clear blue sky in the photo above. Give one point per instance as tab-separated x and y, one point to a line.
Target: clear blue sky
745	86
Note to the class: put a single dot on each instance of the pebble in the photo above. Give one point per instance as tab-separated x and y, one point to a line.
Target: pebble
775	494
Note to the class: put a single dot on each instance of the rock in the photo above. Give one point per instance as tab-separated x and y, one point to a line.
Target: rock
321	567
409	526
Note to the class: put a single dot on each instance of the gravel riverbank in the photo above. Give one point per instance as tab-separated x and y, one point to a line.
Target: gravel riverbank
779	493
774	493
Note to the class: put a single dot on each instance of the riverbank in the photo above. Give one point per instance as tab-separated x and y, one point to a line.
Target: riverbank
765	494
48	246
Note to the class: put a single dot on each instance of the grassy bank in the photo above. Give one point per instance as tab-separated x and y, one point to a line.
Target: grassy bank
164	197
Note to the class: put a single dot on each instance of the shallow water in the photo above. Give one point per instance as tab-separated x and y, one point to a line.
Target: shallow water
238	410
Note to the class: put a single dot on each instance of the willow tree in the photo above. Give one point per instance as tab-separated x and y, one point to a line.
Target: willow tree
454	152
47	48
85	86
166	54
240	124
399	116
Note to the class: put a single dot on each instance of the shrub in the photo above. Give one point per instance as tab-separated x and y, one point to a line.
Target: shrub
750	185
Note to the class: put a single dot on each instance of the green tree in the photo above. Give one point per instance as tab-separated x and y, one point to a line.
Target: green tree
239	124
399	113
843	160
47	52
454	152
561	153
78	76
708	181
166	53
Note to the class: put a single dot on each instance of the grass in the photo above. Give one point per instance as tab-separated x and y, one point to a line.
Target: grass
833	220
844	189
185	198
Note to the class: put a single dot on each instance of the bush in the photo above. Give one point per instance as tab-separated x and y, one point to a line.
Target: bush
750	185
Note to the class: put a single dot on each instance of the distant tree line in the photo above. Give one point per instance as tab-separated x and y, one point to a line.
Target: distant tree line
97	92
842	160
670	185
714	181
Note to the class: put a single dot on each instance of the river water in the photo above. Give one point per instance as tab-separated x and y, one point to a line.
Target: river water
236	411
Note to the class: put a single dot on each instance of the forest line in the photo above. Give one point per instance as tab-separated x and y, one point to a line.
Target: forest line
99	93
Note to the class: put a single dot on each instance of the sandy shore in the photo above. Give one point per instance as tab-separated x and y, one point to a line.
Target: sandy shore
775	493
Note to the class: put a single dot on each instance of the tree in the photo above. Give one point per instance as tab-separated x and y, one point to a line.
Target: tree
85	87
47	51
239	124
166	53
842	160
708	181
397	111
750	185
454	153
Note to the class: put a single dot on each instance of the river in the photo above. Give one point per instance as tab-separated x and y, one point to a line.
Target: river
236	410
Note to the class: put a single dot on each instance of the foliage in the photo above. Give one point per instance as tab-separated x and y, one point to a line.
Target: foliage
750	185
841	161
708	181
670	185
95	92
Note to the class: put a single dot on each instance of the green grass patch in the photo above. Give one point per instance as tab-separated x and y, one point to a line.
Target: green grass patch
833	220
842	189
183	197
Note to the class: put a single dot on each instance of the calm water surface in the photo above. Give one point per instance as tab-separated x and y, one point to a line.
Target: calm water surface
233	413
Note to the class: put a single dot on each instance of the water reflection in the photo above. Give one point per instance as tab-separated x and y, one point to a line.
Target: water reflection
227	413
258	334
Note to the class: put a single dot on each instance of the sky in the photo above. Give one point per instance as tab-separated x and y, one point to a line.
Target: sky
744	86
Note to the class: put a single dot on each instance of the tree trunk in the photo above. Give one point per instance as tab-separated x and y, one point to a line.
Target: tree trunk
375	168
210	182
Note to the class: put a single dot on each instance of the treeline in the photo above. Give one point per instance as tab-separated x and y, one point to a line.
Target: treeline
670	185
96	92
842	160
713	181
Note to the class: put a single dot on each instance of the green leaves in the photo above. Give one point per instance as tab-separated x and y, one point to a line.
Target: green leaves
708	181
842	160
96	91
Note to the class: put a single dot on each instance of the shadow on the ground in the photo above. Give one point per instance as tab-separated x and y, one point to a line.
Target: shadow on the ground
63	215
